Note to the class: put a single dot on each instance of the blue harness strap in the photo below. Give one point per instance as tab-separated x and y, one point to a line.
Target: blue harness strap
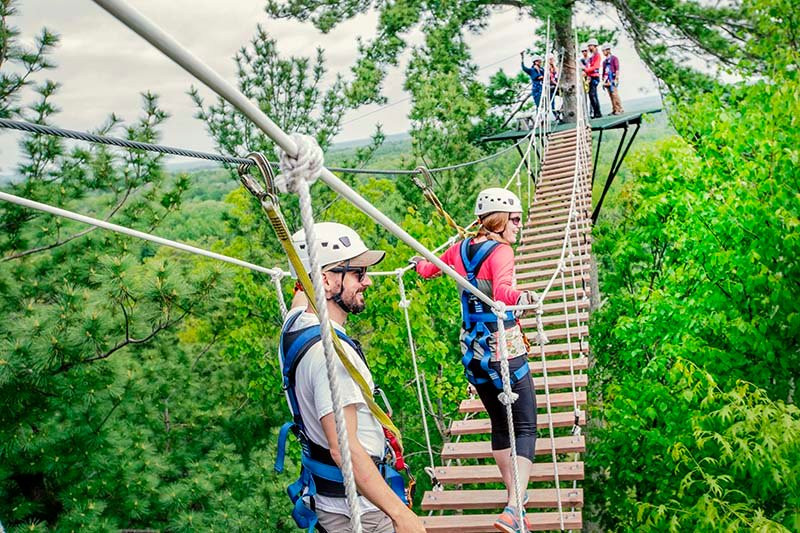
477	319
313	472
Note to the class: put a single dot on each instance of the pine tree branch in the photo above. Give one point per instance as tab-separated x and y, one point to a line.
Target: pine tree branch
78	235
128	340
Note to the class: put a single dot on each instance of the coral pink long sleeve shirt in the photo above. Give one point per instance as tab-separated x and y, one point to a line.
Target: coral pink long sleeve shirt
495	277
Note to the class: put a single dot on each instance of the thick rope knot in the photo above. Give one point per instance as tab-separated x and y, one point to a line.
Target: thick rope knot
499	309
306	165
541	337
507	399
404	303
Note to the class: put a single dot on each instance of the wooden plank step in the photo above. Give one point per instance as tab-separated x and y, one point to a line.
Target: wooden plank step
561	333
480	426
447	500
556	319
559	365
553	190
484	523
557	307
540	232
559	348
549	178
553	232
549	207
523	265
557	399
560	190
558	382
553	243
539	285
526	276
544	220
482	449
554	252
451	475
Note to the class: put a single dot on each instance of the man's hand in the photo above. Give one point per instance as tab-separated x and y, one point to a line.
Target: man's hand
408	523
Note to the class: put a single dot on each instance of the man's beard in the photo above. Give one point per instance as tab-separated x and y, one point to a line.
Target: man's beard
351	304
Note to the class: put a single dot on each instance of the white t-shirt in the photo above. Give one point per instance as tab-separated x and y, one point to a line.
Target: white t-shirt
313	396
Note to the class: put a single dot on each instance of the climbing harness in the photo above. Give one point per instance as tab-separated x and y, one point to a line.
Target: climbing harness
480	323
319	474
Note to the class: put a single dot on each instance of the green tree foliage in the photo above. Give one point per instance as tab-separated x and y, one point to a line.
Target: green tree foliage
697	344
667	33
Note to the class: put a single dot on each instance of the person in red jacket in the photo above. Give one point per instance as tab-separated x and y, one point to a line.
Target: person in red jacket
487	261
592	71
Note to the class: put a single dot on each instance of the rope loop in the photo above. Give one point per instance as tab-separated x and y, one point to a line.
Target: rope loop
499	309
507	399
305	165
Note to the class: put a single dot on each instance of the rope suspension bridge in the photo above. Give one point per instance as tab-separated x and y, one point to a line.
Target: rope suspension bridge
553	260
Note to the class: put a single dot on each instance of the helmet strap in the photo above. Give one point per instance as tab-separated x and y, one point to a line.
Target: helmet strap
337	298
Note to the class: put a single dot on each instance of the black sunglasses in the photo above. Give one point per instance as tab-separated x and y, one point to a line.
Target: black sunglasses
361	272
516	220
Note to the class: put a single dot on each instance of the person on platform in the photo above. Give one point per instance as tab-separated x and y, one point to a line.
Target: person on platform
592	71
536	72
611	79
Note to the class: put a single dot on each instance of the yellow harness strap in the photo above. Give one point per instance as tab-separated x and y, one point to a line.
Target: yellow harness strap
427	191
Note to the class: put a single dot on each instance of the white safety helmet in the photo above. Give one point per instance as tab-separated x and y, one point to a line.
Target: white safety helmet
606	46
337	243
496	200
584	47
591	42
537	58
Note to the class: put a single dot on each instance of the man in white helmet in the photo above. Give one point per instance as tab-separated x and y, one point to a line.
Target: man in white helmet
611	79
592	71
319	493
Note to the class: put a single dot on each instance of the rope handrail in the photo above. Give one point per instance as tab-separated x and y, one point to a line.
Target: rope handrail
275	273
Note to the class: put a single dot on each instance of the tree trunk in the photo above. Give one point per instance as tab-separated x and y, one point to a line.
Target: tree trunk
565	44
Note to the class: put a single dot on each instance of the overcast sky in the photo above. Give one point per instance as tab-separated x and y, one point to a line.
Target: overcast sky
103	66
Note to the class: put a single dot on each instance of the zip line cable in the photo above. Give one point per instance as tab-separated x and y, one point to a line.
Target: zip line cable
43	129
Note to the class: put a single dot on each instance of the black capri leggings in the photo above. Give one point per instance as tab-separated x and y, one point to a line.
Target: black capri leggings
524	409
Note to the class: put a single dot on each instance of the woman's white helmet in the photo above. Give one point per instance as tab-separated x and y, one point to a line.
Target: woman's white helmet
337	243
497	199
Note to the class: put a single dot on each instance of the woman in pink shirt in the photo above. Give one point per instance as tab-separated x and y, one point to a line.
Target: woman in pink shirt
487	261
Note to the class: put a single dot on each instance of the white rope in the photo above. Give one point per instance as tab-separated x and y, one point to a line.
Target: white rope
24	202
404	304
301	186
276	280
507	398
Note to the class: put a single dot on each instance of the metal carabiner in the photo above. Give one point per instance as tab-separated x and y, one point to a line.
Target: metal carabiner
426	174
265	192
